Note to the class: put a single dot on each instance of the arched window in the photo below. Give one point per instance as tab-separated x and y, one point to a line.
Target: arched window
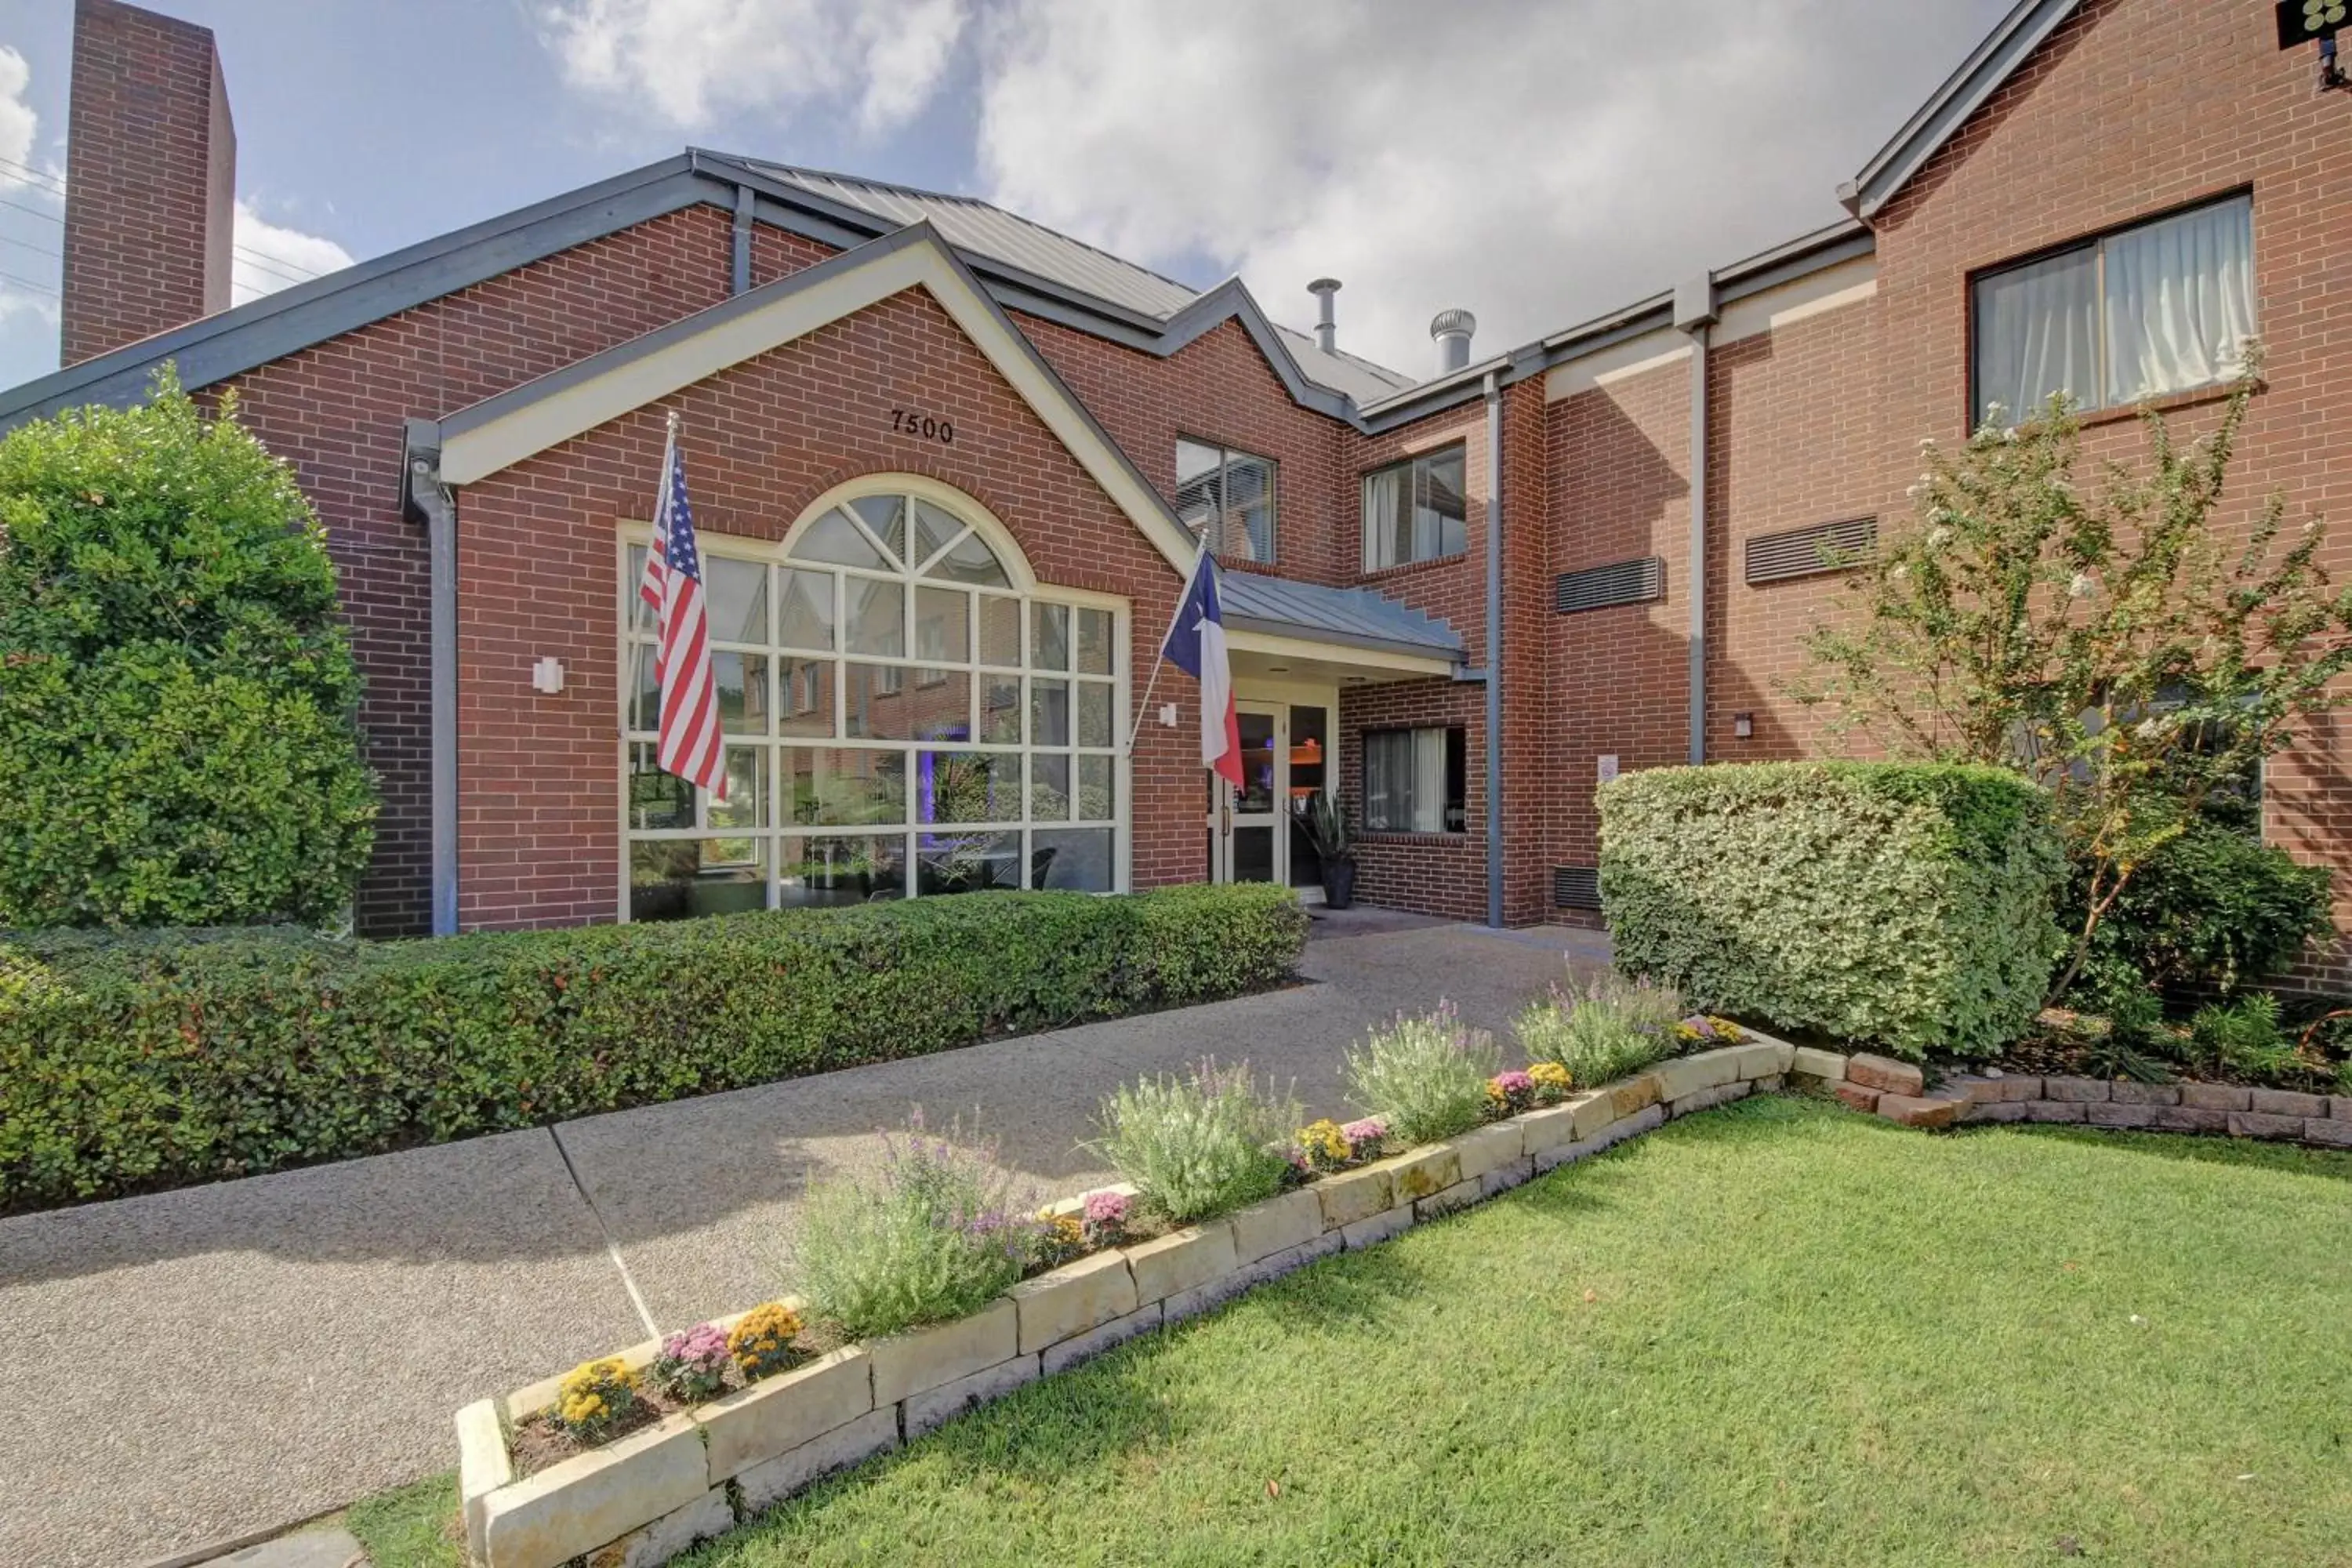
905	714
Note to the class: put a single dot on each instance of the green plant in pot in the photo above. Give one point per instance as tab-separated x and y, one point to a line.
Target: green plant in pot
1335	848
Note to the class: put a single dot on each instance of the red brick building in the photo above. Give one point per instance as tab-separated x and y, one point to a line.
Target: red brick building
949	465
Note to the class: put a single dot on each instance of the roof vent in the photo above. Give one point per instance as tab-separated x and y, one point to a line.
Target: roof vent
1326	330
1452	329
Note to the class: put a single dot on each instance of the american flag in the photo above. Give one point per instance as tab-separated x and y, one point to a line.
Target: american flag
672	587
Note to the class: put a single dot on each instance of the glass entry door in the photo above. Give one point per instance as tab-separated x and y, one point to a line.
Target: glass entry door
1249	837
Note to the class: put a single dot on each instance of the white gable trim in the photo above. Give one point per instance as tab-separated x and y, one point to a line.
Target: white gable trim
507	429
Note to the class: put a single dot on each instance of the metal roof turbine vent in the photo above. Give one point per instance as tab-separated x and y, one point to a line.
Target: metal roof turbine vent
1326	330
1452	329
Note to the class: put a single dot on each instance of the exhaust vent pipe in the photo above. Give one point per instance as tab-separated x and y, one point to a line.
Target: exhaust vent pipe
1326	330
1452	330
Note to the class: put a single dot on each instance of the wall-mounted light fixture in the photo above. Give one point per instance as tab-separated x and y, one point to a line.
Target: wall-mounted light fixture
547	675
1743	725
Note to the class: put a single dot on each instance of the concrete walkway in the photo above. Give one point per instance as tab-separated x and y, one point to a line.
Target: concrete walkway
197	1366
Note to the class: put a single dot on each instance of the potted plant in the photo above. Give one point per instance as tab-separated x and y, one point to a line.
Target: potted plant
1335	848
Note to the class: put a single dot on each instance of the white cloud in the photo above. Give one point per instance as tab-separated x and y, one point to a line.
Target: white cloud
269	257
17	122
29	250
686	61
1537	164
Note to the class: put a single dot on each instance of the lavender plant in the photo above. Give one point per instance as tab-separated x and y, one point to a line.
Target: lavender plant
1199	1145
932	1236
1604	1029
1425	1077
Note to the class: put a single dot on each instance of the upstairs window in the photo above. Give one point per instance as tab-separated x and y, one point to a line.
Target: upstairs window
1414	511
1228	496
2160	307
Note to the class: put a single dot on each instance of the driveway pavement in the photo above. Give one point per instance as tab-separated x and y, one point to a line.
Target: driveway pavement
197	1366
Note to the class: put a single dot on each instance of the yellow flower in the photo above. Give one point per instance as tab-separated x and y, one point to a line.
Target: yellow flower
1549	1075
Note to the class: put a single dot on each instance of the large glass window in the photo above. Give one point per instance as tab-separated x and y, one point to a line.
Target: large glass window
1228	496
900	719
1416	781
2165	306
1414	511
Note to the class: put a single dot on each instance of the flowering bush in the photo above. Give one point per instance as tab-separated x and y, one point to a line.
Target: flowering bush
1508	1093
762	1342
1105	1218
1199	1146
1602	1030
593	1397
692	1365
1551	1081
1365	1136
1061	1236
1324	1146
928	1238
1424	1078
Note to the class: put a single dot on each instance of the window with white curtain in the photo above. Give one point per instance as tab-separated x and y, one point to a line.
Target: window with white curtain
1228	496
1414	511
1414	781
2163	306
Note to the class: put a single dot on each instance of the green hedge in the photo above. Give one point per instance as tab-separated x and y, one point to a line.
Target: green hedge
139	1060
1906	907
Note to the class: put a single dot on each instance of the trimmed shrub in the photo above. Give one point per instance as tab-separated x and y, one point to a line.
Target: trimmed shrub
142	1059
1198	1146
179	741
2212	910
1905	906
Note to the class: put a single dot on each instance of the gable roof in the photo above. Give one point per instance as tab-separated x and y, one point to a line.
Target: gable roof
503	430
1937	121
984	228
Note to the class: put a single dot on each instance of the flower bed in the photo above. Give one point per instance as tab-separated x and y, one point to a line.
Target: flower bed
687	1471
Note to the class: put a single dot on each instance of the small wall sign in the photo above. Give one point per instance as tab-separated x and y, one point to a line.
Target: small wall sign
1608	766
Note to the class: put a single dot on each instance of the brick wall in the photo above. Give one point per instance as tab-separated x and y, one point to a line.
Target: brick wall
151	178
762	440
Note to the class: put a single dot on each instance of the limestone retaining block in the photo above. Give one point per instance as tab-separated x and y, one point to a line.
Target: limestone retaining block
1547	1129
2122	1113
2123	1091
2054	1111
1095	1341
2216	1096
2077	1090
1077	1296
1916	1111
781	1412
1376	1228
595	1498
1761	1059
2255	1124
2285	1102
1461	1194
1276	1224
1593	1112
1709	1097
705	1519
1992	1110
1612	1134
483	1466
2340	1108
911	1363
1884	1074
1354	1195
2327	1129
1632	1095
1805	1061
2190	1119
936	1406
1417	1172
1685	1076
1497	1145
1181	1260
875	1432
1271	1266
1503	1178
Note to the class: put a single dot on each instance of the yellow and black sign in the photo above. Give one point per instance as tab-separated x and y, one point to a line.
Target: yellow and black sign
2302	21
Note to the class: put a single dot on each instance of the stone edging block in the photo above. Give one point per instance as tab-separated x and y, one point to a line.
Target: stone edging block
1068	1301
1181	1260
594	1498
926	1358
781	1413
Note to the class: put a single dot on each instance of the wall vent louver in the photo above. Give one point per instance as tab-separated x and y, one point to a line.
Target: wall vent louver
1806	551
1619	582
1576	887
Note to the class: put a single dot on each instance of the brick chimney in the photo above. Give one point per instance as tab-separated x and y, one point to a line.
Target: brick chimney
150	179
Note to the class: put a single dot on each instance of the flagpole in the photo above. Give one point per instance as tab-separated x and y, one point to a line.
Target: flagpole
1135	728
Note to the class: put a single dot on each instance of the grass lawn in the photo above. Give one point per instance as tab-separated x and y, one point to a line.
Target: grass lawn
1775	1333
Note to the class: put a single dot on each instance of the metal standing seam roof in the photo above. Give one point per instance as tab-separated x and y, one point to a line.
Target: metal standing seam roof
971	223
1354	616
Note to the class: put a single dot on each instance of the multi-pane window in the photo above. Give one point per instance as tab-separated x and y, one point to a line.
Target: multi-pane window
899	720
2165	306
1414	511
1229	497
1416	781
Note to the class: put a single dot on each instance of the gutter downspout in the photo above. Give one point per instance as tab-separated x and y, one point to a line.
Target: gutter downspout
747	202
1695	312
1494	652
423	496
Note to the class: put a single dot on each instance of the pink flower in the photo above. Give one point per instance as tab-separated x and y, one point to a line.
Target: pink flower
1514	1082
1106	1208
1370	1130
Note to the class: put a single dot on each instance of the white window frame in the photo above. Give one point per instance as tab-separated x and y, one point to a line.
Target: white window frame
633	632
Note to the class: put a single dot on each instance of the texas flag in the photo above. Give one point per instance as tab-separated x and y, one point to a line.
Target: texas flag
1196	644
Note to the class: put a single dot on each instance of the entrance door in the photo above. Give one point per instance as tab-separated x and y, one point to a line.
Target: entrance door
1249	837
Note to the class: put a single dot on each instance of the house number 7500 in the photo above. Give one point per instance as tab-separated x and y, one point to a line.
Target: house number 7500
907	422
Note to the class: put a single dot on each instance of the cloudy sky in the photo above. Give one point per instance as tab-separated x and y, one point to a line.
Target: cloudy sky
1536	162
